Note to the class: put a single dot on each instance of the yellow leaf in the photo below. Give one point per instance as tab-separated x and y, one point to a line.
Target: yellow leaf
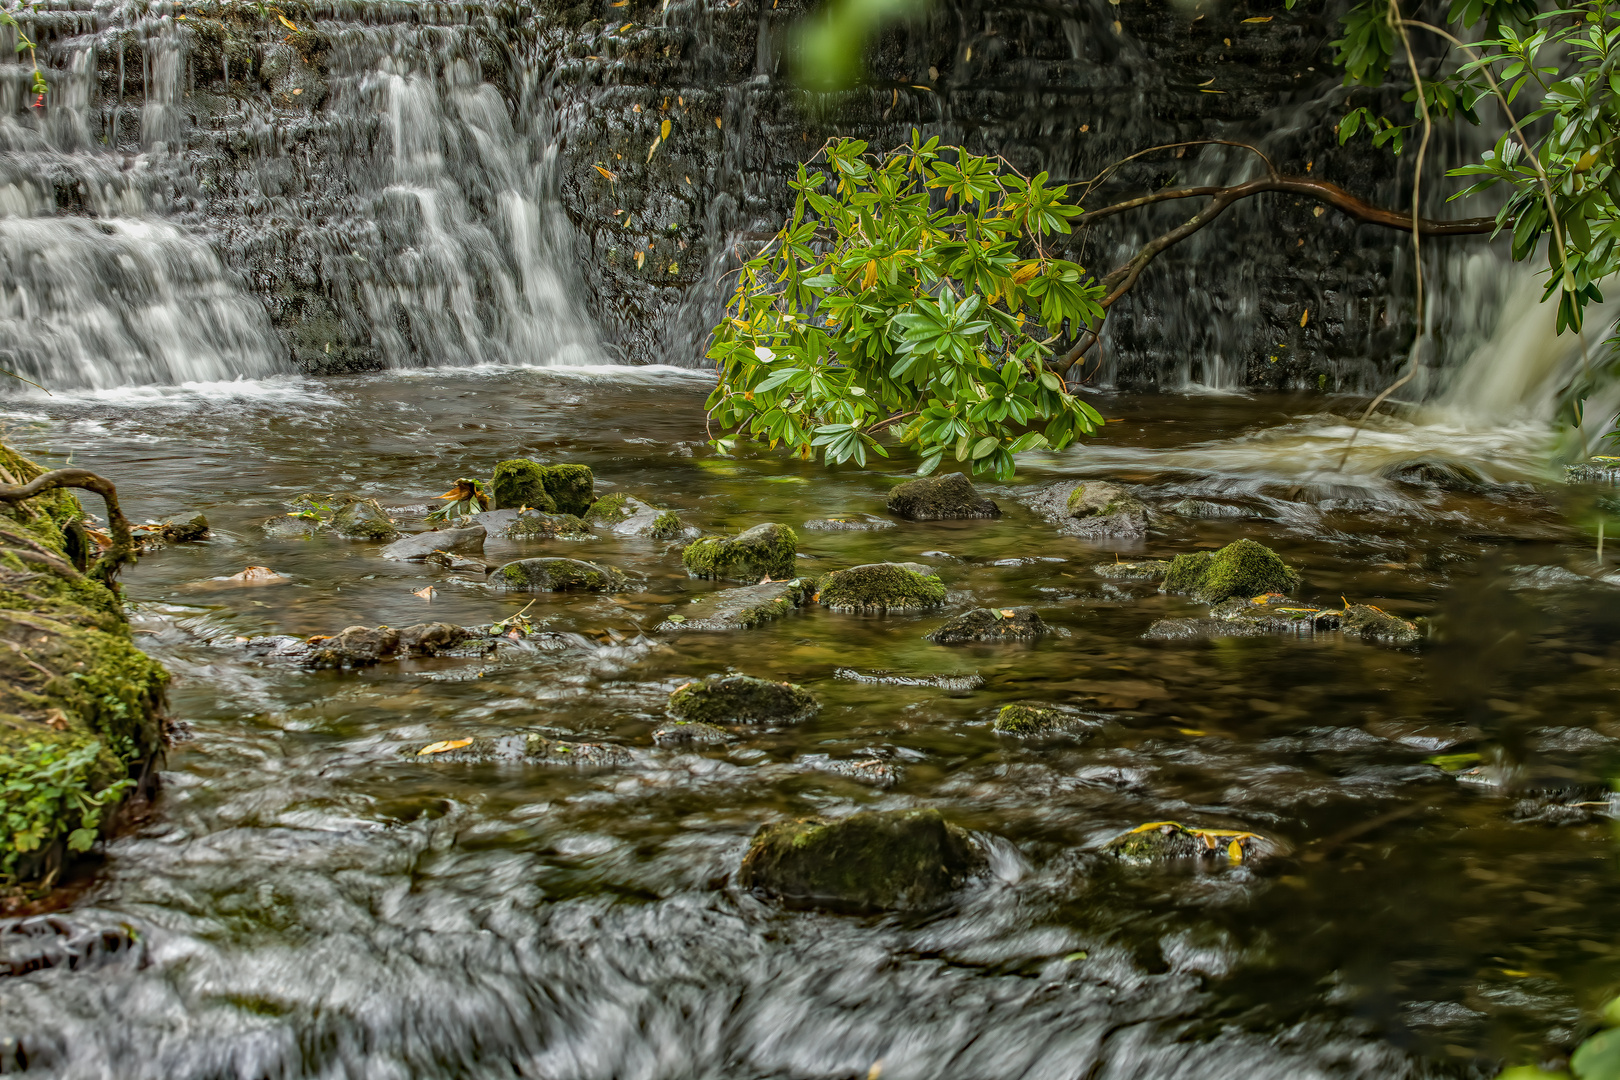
1207	82
620	3
674	267
969	54
1026	271
641	257
1234	853
625	27
663	129
1259	19
717	121
654	148
1305	316
1203	90
607	174
869	277
930	89
1007	613
288	23
442	746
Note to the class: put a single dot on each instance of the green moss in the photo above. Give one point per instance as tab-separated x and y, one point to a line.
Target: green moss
608	509
80	705
742	699
768	550
1101	499
1027	720
542	526
557	575
1242	568
667	526
1142	570
520	482
571	487
880	587
741	608
940	498
363	519
873	861
1374	624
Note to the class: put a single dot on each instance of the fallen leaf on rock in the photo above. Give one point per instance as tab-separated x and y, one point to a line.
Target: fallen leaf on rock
257	573
441	747
425	592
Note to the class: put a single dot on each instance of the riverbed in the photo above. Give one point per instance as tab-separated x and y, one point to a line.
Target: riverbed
310	898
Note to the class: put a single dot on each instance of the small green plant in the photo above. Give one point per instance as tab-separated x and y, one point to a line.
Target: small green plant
460	501
311	511
912	291
40	791
39	88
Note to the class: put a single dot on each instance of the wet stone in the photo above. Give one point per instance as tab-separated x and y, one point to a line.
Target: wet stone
1161	841
1022	719
1435	472
1242	568
958	682
1142	570
1373	624
364	646
878	588
461	563
1428	736
363	519
894	860
189	531
689	733
40	942
740	609
874	771
1193	629
769	550
1599	469
991	626
742	699
1210	510
556	575
467	540
850	524
1094	509
520	749
1276	614
625	515
940	498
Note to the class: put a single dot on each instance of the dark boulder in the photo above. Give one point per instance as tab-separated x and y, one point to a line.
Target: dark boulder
1374	624
467	540
992	626
531	525
364	646
520	483
1092	508
689	733
742	608
1141	570
849	524
626	515
557	575
363	519
877	588
189	531
893	860
940	498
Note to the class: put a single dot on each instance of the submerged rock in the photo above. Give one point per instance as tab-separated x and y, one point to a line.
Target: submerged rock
526	749
768	550
1241	568
850	524
363	519
740	609
1435	472
557	575
1019	719
1208	509
558	489
892	860
1092	508
189	531
364	646
467	540
689	733
876	588
463	563
1141	570
940	498
1193	629
625	515
531	525
1275	614
1374	624
1165	840
874	771
993	625
742	699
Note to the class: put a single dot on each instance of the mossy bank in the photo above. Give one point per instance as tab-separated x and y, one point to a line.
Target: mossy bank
80	706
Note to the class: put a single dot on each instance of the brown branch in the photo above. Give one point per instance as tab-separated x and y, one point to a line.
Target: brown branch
122	551
1124	277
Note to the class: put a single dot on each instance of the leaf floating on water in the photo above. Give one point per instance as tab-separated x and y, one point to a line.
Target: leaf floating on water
1234	853
654	149
625	27
717	121
1453	762
641	258
425	592
1306	316
1259	19
444	745
663	129
677	618
1078	955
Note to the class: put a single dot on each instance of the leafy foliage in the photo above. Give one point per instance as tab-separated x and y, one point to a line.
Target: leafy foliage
911	291
42	789
467	497
38	87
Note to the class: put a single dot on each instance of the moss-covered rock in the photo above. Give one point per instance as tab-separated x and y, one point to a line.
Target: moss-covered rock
557	575
1021	719
571	487
1242	568
1167	840
1091	508
864	523
689	733
742	608
365	646
768	550
1374	624
530	524
1141	570
626	515
520	483
742	699
893	860
876	588
990	626
363	519
80	705
940	498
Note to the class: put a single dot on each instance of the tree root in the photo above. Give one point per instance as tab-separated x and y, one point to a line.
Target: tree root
121	553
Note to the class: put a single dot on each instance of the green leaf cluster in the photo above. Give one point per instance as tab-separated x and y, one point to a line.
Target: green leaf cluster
911	291
46	786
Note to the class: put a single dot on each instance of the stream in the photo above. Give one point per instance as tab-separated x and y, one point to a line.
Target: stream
309	898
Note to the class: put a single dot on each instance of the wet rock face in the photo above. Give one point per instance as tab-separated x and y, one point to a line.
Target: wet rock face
1092	508
897	860
1372	624
520	483
940	498
531	525
625	515
991	626
556	575
363	519
877	588
1020	719
365	646
1142	570
468	540
741	609
742	699
768	550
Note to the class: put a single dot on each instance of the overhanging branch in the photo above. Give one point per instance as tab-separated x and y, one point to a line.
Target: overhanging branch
122	550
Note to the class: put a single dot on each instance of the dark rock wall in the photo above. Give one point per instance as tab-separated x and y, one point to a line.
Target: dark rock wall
402	184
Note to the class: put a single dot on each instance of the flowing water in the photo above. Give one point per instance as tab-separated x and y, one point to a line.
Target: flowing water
309	899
